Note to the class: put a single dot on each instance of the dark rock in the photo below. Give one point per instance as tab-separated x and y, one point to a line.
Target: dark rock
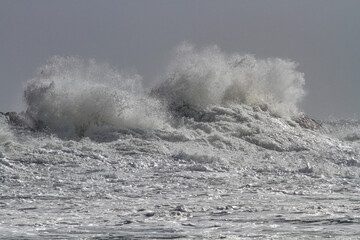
14	119
22	120
149	214
305	121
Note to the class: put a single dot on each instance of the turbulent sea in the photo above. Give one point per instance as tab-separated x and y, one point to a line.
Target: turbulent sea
216	150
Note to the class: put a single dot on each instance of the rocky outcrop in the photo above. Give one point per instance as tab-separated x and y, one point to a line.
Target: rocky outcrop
305	121
13	118
21	120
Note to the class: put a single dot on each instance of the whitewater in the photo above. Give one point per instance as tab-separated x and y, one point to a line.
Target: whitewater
217	148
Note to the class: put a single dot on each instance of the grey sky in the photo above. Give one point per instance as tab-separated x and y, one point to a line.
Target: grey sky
323	36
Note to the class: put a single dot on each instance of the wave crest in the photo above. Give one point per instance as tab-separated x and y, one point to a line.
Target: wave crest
73	97
210	77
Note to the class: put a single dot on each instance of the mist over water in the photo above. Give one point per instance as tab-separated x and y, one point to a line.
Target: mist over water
218	148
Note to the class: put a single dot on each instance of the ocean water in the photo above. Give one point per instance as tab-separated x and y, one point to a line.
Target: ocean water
218	149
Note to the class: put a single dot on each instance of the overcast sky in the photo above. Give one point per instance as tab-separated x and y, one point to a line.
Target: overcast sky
323	36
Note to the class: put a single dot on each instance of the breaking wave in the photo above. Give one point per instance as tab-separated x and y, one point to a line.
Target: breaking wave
72	97
206	77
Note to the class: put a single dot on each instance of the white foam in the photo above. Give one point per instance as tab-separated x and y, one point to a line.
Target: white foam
210	77
5	133
348	130
74	97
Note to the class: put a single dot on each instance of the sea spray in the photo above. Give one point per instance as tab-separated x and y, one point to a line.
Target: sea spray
205	77
72	97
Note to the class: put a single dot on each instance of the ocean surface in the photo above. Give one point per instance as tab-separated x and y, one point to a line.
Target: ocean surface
218	149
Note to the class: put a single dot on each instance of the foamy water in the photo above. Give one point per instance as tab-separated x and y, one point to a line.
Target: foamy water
214	150
210	77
